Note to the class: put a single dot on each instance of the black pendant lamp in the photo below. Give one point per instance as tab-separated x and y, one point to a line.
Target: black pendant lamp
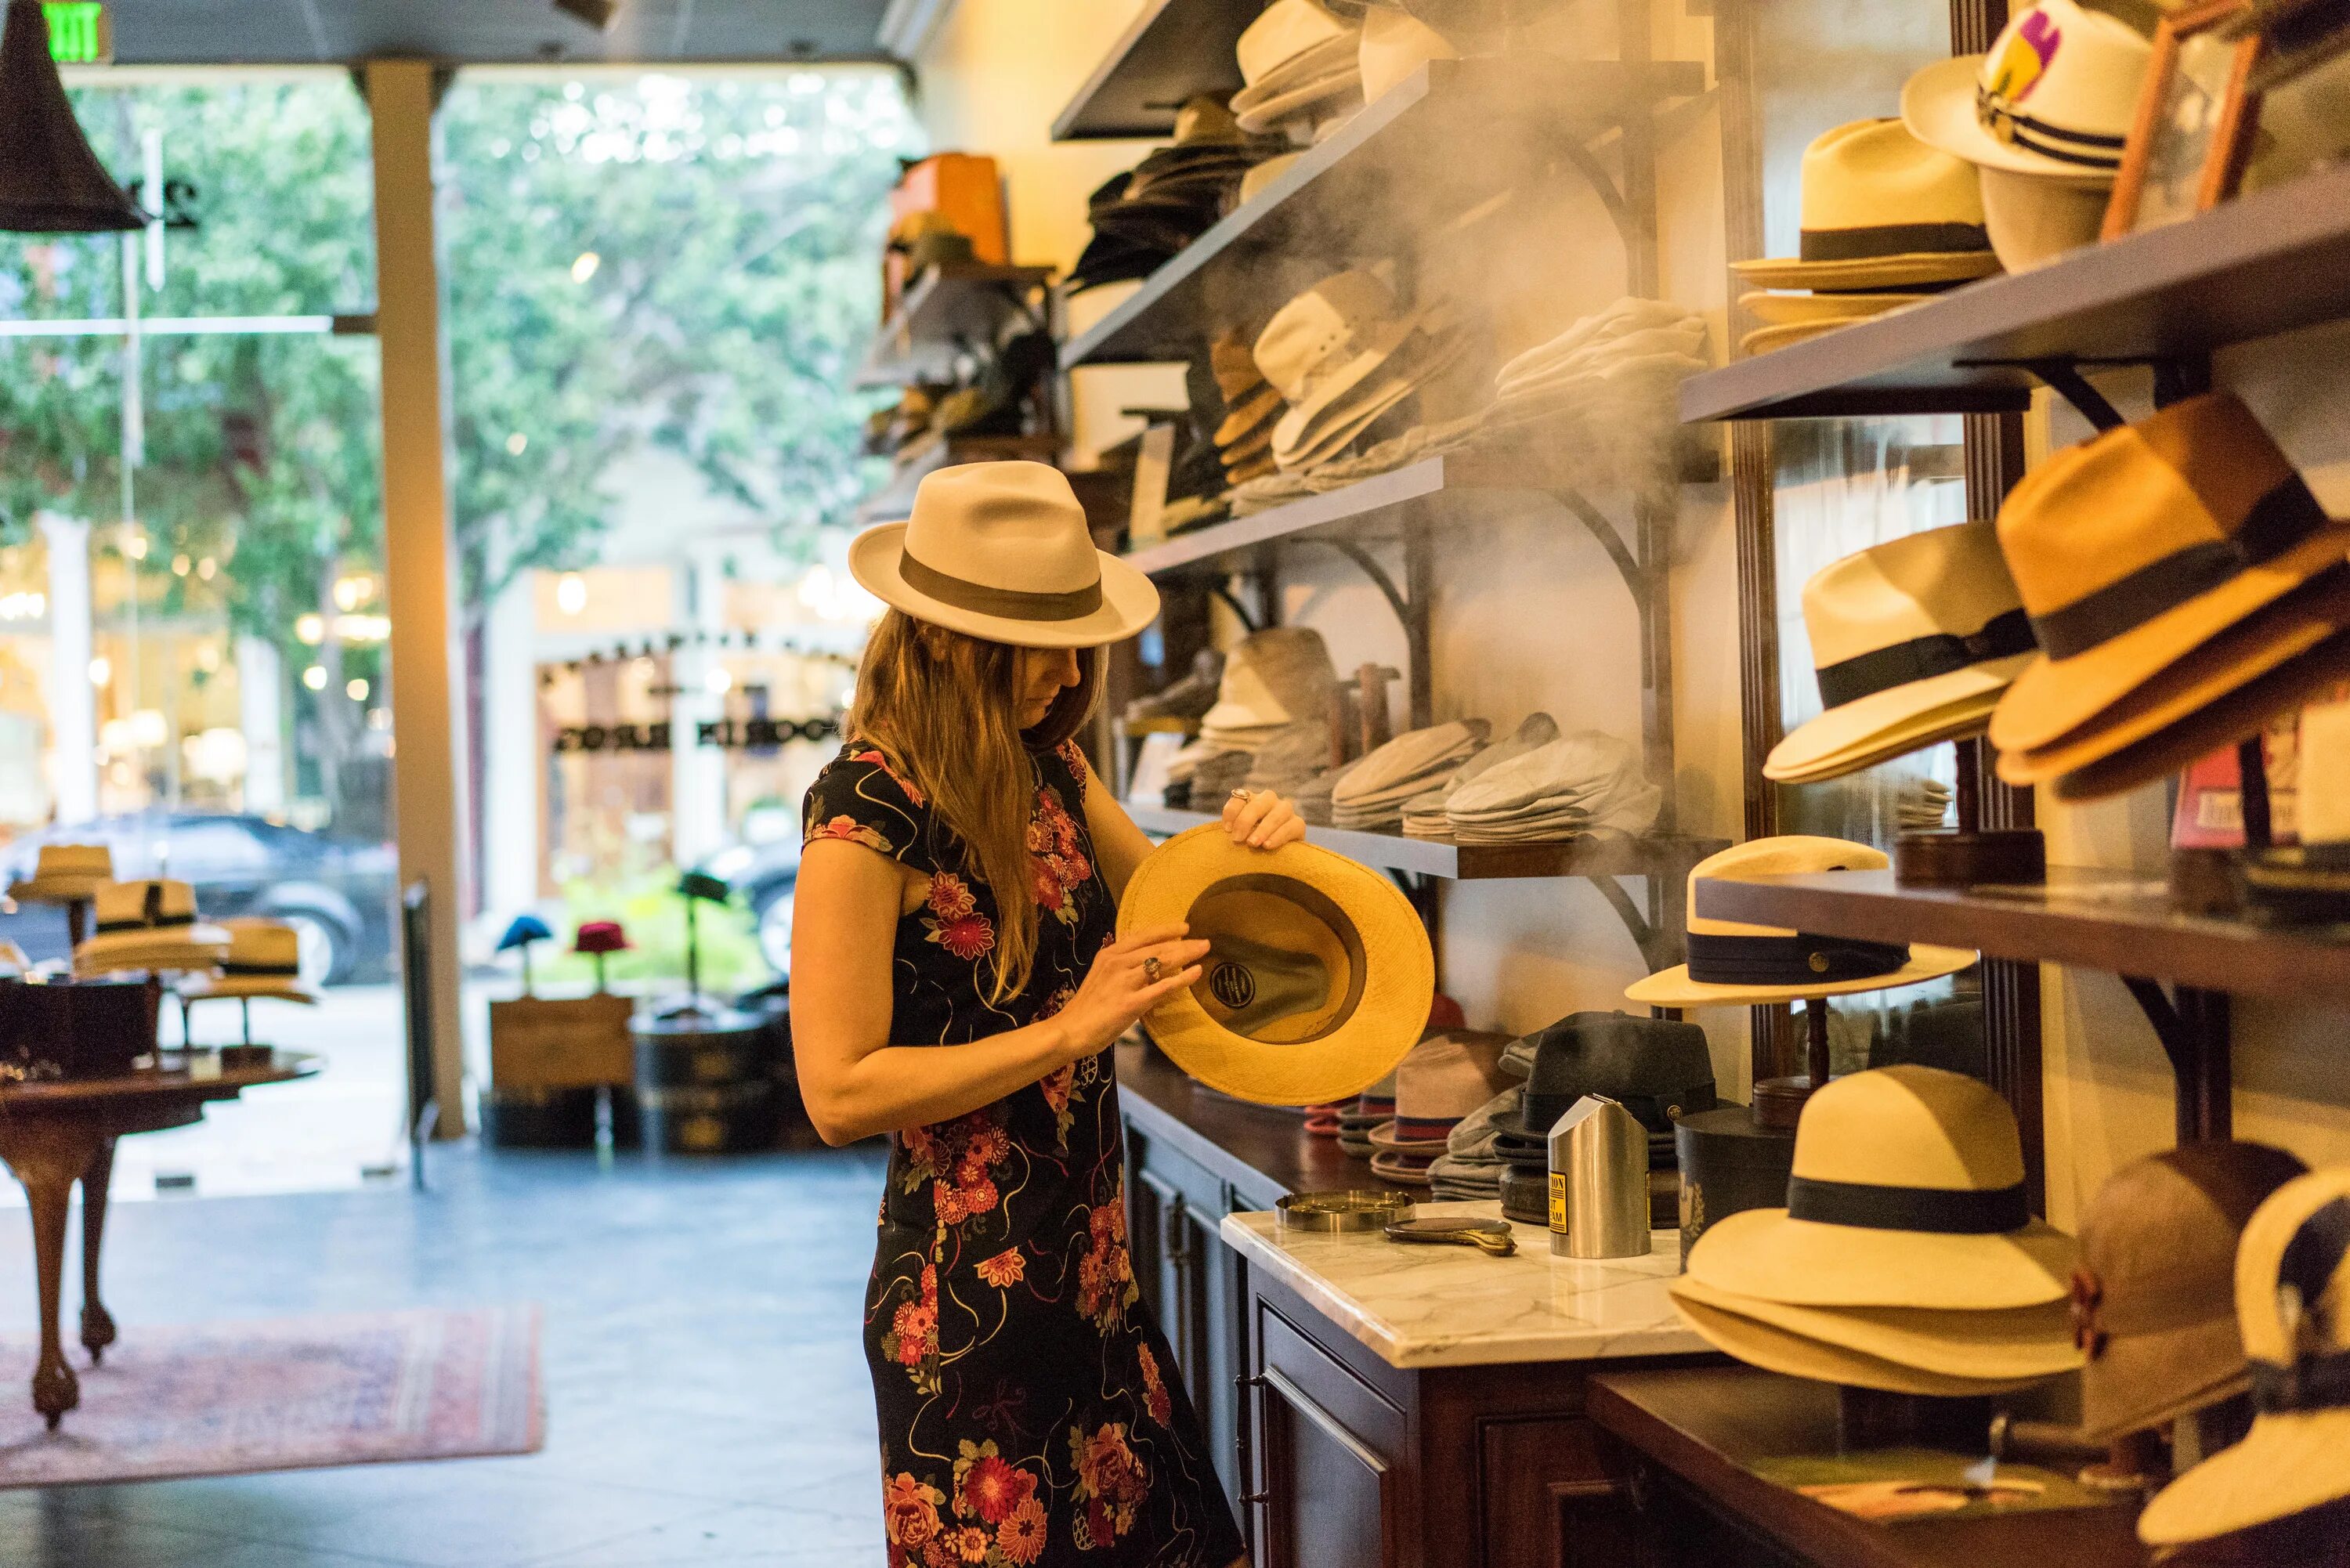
50	181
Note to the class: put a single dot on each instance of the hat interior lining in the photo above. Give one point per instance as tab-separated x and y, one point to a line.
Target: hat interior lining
1247	918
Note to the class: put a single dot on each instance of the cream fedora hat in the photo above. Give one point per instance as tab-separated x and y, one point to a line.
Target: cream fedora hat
2056	95
2001	1346
1917	626
1766	1345
1907	1191
1881	209
2292	1305
1736	965
999	551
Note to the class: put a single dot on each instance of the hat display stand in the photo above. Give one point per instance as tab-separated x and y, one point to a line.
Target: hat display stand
1971	855
562	1068
704	1072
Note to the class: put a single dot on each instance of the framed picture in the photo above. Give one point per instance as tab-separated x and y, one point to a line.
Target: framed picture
2196	115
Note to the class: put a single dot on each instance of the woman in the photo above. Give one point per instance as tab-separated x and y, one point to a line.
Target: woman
956	984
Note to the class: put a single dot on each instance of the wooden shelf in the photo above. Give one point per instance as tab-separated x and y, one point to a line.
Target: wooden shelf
2096	919
1469	129
2267	263
1231	547
1655	857
952	305
1174	49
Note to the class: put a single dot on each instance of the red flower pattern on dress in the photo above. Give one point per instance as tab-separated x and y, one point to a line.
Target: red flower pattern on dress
1022	1539
1105	1286
912	1340
989	1486
872	755
1110	1481
968	937
1058	864
1004	1269
1154	1387
951	898
960	1160
854	832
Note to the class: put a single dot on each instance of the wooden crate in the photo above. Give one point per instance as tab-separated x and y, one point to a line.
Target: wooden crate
569	1042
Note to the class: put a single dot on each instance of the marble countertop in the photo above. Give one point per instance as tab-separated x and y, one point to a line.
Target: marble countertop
1418	1305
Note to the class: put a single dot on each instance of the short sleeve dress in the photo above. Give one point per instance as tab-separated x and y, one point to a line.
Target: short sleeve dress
1030	1410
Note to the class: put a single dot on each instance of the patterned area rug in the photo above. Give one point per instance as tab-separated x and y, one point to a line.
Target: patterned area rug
230	1398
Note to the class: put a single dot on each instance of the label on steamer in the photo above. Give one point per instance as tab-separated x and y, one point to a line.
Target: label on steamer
1558	1202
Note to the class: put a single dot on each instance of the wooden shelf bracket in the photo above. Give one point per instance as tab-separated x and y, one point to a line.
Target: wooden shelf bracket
2193	1027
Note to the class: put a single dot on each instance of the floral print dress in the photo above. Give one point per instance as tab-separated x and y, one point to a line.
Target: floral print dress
1030	1411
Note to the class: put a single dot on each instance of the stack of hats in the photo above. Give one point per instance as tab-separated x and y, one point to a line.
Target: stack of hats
2042	118
1174	195
150	925
1611	380
1344	355
1302	63
66	874
263	958
1887	220
1374	1107
1658	1069
1585	782
1906	1259
1372	792
1445	1078
1243	440
1291	759
1471	1167
1273	696
1423	814
2186	588
1914	640
1186	701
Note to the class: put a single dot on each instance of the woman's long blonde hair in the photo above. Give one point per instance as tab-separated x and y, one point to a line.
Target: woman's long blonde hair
944	708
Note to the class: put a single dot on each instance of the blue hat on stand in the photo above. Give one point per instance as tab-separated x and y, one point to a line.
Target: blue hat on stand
525	930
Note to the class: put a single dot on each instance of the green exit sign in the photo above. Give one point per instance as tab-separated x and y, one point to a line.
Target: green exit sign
80	31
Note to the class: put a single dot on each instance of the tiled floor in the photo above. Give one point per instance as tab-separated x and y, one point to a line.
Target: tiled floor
707	1400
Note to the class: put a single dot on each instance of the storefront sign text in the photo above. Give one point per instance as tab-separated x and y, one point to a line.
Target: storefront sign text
731	734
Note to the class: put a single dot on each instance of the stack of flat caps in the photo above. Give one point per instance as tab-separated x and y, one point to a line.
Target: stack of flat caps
1589	782
1914	640
150	925
1423	814
1344	354
1886	221
66	874
1372	792
1444	1079
1291	759
1301	63
1243	440
2185	587
1164	202
1471	1167
1906	1260
263	958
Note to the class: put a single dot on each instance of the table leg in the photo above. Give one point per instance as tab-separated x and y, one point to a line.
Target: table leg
49	1156
97	1322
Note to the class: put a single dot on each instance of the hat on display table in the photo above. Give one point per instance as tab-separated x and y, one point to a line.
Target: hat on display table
1658	1069
148	924
264	959
525	931
1588	782
1444	1080
1734	964
1318	974
596	939
66	874
1914	640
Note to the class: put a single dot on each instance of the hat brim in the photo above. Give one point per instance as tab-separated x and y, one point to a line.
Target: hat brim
1938	105
2287	1464
1399	972
2028	1343
1129	601
1775	1349
1788	309
57	889
1856	274
1274	107
1260	406
1674	987
1867	724
1333	387
1383	1137
2055	697
1765	339
1397	1167
1959	721
278	988
1770	1254
2135	1382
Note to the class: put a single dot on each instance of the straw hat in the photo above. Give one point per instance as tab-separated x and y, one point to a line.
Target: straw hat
999	551
1733	964
1908	1191
2153	1304
2144	544
1881	209
1928	1352
148	924
264	959
1282	675
1928	626
66	873
1339	1010
2056	96
2292	1303
1838	309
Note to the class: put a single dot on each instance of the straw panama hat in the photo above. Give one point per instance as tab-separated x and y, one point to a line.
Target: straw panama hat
2144	544
1841	309
66	873
1881	209
1733	964
2292	1305
1927	625
1325	342
2054	96
264	959
1776	1349
999	551
2006	1347
1907	1191
149	925
1318	976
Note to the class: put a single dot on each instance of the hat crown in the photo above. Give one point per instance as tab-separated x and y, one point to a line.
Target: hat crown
1282	675
74	860
1942	582
1787	854
2296	1248
1615	1055
1873	174
256	941
1322	329
1909	1127
1013	526
1282	31
1450	1076
2063	81
153	901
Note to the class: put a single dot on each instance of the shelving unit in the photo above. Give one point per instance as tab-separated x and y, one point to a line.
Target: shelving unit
949	308
1173	49
895	499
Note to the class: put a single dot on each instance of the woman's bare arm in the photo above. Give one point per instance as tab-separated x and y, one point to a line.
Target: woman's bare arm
1118	845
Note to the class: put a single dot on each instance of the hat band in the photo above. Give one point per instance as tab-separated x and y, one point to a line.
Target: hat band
2280	520
1800	959
2311	1383
1005	604
1891	240
269	970
1942	1211
141	923
2085	148
1923	658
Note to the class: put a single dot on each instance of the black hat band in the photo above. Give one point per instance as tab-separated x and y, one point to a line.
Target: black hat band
1891	240
1923	658
1008	603
1942	1211
1797	961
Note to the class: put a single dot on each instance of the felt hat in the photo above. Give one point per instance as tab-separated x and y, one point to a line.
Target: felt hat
263	958
1326	342
1001	551
2154	1297
693	885
1927	625
1733	964
600	937
2292	1306
1657	1069
1881	209
1353	987
1282	675
1445	1078
1952	1354
2136	547
1395	45
66	873
2056	96
1907	1191
1296	53
523	931
149	925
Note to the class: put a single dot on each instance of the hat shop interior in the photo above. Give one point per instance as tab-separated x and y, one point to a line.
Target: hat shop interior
1793	558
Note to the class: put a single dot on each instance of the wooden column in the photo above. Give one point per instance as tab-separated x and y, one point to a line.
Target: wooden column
428	769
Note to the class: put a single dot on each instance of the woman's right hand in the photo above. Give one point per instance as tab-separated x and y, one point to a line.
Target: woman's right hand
1119	989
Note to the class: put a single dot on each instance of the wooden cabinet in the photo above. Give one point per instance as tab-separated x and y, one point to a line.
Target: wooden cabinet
1192	1282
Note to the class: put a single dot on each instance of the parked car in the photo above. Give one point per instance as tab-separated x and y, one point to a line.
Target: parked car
337	893
763	877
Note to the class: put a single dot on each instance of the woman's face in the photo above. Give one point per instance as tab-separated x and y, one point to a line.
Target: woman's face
1041	674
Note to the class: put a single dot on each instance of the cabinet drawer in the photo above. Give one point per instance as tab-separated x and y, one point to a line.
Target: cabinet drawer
1353	1403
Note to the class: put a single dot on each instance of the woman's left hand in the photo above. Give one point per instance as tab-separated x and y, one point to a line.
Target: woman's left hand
1262	819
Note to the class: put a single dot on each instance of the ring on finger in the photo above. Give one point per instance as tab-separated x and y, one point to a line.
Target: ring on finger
1150	971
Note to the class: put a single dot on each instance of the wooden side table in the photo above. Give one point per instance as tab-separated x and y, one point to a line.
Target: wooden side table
53	1135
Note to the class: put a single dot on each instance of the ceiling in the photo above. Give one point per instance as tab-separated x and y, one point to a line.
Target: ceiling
282	32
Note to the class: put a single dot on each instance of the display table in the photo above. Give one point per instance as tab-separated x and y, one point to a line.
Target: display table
55	1134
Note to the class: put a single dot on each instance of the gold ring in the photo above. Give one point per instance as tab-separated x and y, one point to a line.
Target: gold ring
1150	971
